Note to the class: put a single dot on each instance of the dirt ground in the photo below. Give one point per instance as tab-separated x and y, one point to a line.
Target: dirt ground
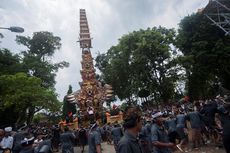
206	149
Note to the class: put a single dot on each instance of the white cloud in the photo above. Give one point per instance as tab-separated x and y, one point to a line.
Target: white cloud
108	20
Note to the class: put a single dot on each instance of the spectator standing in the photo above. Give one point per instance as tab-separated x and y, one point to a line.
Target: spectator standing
7	141
18	137
195	120
27	144
180	128
225	120
55	137
94	140
170	125
132	125
159	136
145	137
116	134
82	138
67	140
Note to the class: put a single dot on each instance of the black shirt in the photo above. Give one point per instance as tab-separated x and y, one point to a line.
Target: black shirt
209	111
225	120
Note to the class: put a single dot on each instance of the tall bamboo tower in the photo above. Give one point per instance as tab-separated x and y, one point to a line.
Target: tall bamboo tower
92	93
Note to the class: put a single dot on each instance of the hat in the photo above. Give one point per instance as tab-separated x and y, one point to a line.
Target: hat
8	129
156	114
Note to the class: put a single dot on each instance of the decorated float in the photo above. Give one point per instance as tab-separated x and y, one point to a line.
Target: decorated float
92	94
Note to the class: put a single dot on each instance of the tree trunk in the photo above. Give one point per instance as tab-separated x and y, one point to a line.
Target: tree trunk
18	121
30	115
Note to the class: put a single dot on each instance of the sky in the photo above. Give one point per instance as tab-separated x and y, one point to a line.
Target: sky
108	21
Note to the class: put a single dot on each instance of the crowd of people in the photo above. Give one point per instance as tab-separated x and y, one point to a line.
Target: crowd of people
45	139
28	139
180	126
183	127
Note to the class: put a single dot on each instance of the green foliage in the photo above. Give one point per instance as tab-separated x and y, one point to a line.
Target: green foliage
9	63
36	61
48	118
26	93
42	44
37	118
206	52
142	60
143	93
123	106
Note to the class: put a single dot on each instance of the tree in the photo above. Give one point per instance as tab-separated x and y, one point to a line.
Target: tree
41	72
36	59
207	52
26	95
142	60
9	63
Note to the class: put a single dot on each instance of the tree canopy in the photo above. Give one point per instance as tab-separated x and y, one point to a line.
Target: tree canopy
26	95
27	79
9	63
206	57
142	60
36	59
151	63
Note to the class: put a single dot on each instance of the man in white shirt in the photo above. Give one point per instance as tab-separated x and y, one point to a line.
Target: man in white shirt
7	141
1	137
